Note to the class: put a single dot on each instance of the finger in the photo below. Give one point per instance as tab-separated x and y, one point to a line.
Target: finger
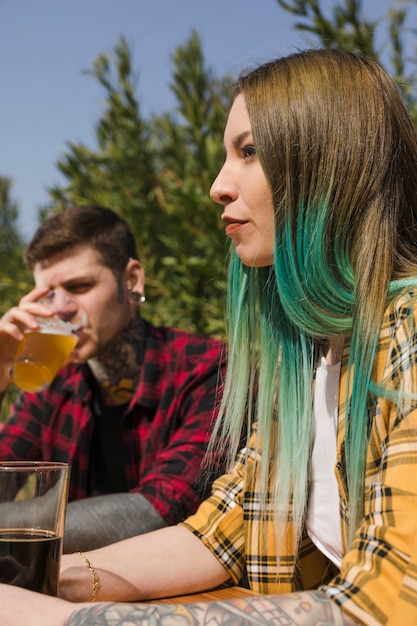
34	295
17	320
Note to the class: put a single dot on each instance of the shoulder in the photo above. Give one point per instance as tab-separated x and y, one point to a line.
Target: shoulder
179	342
404	304
397	345
401	313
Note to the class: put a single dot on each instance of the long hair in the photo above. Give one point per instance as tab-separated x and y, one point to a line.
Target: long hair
339	151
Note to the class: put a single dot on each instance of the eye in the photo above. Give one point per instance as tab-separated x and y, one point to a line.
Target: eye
248	151
78	288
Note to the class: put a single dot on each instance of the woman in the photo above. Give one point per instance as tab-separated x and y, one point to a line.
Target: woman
319	196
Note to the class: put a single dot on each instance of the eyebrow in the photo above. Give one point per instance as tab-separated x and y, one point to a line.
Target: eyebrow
74	280
237	141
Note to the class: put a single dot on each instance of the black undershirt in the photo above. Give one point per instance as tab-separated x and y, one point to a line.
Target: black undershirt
107	452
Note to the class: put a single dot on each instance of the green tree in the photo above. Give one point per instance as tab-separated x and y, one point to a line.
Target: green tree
188	144
157	174
14	279
343	26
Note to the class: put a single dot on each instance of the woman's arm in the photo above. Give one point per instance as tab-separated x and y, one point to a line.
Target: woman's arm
146	566
19	606
301	609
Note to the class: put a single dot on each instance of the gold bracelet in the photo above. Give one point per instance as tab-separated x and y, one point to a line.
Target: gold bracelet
94	576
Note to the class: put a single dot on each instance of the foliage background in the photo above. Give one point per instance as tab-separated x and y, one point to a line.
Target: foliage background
157	171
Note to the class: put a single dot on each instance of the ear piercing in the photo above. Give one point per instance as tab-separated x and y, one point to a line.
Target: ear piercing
135	297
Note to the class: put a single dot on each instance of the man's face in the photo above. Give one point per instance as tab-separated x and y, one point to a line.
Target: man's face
79	271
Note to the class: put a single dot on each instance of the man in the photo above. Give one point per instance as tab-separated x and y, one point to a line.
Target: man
132	410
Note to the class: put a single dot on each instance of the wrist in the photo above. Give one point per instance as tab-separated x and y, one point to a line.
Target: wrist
75	583
94	577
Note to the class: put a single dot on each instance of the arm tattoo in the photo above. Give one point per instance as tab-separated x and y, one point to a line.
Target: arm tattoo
101	520
306	609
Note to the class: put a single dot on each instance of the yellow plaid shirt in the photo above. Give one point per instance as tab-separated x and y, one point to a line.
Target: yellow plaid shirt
378	578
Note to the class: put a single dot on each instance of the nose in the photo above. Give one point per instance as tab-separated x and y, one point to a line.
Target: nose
64	305
223	191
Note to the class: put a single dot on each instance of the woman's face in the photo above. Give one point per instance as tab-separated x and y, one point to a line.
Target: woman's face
242	189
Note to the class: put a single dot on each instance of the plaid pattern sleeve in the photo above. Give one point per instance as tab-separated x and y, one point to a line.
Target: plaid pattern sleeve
184	403
230	524
219	521
53	425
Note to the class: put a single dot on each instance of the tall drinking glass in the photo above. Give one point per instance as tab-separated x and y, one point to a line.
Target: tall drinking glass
33	500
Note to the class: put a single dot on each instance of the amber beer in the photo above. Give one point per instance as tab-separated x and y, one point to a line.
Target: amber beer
39	357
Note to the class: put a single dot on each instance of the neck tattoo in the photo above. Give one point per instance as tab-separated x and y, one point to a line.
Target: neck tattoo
118	367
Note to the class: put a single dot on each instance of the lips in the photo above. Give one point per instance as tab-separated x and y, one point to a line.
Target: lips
233	225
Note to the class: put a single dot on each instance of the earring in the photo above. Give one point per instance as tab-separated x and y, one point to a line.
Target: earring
136	298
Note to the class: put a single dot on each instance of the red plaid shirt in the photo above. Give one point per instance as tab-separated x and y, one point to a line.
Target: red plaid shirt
166	426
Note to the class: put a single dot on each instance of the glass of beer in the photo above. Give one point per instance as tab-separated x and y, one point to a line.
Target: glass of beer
42	353
33	500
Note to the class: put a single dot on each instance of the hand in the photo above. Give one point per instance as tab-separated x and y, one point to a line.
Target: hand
12	326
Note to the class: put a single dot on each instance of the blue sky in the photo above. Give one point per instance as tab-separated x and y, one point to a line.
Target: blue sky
45	45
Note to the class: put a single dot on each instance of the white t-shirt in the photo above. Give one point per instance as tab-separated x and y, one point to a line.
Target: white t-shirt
323	523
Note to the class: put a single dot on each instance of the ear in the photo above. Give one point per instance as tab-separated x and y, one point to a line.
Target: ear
135	276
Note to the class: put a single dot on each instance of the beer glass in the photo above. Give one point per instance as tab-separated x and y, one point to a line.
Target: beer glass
42	353
33	500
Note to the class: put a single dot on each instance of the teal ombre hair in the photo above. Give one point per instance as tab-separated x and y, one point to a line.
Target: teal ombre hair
339	151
